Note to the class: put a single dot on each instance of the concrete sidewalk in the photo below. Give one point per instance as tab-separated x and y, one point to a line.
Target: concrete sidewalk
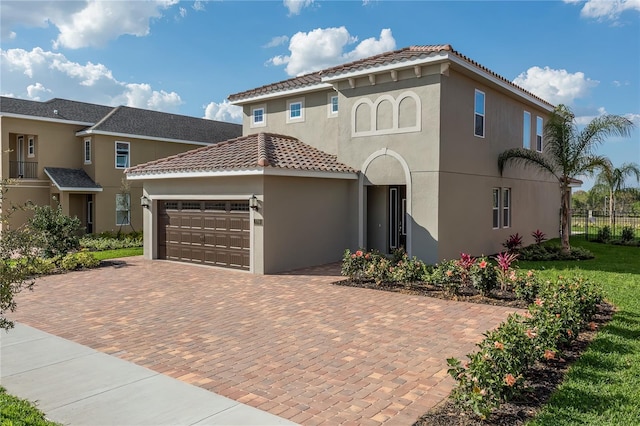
76	385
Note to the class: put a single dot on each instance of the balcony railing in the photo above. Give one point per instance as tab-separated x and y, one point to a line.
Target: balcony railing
23	169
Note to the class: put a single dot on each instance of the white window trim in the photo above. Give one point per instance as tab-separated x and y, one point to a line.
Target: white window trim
526	136
295	119
494	208
87	142
539	133
31	147
483	115
262	123
128	154
330	112
128	221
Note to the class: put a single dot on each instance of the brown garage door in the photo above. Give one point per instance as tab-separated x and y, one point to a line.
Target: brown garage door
208	232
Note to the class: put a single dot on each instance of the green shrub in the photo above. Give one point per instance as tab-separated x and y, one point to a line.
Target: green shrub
484	277
448	276
41	266
539	252
79	260
108	243
526	286
604	234
628	234
58	234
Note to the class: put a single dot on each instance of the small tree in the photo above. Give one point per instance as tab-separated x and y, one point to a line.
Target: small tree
17	259
614	180
568	153
57	233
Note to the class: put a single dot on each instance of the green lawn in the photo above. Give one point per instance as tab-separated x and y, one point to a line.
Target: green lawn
116	253
18	412
603	386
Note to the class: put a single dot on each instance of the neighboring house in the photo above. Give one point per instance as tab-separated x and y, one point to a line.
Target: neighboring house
77	152
395	150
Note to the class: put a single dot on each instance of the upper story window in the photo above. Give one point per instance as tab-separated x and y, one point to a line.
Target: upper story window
31	147
295	110
539	130
479	114
258	116
122	155
333	105
526	130
87	151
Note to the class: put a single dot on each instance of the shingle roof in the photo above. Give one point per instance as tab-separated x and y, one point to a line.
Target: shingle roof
71	178
260	150
58	109
136	121
393	57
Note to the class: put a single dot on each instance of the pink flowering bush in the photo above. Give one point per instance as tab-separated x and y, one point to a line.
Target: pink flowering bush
495	373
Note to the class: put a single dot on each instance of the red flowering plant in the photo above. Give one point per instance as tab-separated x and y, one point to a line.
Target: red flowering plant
513	243
505	273
538	236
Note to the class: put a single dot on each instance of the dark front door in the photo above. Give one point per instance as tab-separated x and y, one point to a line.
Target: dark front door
89	214
397	217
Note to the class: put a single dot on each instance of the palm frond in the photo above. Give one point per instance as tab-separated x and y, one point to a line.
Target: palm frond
599	129
526	158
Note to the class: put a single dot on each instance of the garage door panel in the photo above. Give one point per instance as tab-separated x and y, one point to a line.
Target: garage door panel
213	233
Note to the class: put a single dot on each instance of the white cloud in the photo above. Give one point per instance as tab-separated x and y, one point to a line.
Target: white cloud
633	117
198	5
325	47
33	91
183	12
555	86
608	9
223	111
295	6
277	41
38	72
88	23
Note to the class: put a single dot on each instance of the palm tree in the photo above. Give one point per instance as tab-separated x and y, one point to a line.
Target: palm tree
613	178
568	153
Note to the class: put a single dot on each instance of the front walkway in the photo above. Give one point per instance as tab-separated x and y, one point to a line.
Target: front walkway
293	344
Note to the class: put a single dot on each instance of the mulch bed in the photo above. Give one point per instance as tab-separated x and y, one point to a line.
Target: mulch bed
540	381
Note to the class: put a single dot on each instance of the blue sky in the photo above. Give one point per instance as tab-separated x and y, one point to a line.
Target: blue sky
187	57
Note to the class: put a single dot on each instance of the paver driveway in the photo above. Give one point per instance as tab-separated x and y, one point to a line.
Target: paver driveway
291	344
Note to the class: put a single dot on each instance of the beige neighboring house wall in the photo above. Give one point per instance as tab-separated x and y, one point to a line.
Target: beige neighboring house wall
59	139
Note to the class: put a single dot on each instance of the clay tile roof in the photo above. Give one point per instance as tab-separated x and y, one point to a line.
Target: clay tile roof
386	58
261	150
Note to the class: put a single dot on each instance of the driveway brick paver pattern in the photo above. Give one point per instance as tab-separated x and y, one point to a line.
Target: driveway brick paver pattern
291	344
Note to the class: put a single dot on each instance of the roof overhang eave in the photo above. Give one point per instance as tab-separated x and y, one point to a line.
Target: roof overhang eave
51	120
90	132
267	171
282	93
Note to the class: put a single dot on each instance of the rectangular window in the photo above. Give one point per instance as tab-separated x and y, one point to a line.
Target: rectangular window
122	155
31	147
506	207
87	151
496	208
333	105
479	114
295	110
526	130
258	117
539	130
123	209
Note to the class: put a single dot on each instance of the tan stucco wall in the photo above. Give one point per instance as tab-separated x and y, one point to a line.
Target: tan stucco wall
469	171
20	194
307	221
317	129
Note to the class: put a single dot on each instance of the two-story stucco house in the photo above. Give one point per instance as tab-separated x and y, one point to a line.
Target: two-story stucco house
395	150
76	153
